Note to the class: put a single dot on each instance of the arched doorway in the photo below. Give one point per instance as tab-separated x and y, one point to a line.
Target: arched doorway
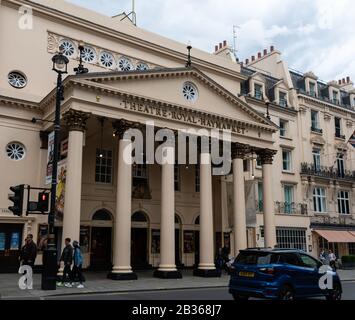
178	226
197	241
101	241
139	241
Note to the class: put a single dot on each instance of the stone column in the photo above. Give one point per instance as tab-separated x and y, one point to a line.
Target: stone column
76	122
239	212
266	157
167	268
122	269
206	267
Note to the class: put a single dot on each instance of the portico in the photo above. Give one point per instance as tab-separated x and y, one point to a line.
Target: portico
130	100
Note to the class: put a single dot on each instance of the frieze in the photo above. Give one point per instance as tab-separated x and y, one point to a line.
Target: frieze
190	117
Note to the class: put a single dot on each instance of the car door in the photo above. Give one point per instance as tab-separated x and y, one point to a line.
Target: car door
294	269
311	274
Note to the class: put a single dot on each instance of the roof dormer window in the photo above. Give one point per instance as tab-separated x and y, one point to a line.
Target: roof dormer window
283	99
258	91
312	89
335	96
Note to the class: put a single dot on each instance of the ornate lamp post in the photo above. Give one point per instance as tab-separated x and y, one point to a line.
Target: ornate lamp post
49	275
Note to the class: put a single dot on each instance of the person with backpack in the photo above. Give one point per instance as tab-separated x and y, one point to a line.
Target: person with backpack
77	272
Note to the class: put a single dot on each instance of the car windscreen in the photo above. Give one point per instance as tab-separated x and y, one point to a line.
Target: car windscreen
256	258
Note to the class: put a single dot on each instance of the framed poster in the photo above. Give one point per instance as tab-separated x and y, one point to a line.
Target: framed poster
42	236
189	242
2	241
15	241
84	239
155	241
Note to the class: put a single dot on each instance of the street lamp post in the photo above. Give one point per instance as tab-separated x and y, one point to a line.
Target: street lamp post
49	274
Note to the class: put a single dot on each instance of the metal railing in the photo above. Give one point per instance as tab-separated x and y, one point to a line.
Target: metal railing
291	208
315	129
326	172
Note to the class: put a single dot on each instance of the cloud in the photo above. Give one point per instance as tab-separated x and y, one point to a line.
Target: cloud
315	35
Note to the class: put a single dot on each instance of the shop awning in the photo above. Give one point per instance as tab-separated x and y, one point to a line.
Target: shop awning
337	236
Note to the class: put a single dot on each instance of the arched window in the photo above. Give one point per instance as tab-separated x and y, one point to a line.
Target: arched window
139	217
177	219
102	215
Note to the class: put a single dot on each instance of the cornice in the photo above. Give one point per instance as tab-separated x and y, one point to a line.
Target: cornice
325	104
19	103
132	40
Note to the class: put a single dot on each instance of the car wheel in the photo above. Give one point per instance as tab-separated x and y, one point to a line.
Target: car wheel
286	293
238	297
335	294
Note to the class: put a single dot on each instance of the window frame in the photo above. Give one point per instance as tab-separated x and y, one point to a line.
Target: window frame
320	200
284	130
100	166
315	122
289	152
343	202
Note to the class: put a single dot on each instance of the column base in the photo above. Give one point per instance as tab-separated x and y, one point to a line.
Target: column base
122	276
207	273
167	274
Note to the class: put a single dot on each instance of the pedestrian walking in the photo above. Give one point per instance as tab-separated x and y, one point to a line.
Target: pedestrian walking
77	272
332	260
67	258
28	252
322	257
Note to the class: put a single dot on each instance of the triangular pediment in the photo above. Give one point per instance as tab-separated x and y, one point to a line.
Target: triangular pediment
167	86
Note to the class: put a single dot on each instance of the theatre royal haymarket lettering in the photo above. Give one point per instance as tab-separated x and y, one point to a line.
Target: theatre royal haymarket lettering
185	116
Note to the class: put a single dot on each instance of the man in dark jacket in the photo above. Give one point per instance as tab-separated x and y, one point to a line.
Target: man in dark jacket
28	252
67	258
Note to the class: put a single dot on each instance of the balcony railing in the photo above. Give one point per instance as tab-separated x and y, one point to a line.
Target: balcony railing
327	172
291	208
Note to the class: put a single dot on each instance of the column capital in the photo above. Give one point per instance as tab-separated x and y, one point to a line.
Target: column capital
239	151
266	156
121	126
76	120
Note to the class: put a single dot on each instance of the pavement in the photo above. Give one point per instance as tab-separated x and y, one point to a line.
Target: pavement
97	283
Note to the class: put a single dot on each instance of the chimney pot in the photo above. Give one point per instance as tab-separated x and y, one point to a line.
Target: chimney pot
259	55
265	52
347	79
220	45
224	43
272	48
246	61
339	81
252	58
216	48
343	80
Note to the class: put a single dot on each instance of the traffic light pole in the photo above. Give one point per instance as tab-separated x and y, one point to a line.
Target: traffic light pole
49	275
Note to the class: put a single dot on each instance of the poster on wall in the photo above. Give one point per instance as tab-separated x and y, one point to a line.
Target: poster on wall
2	241
155	241
84	239
61	179
15	241
42	236
50	158
189	241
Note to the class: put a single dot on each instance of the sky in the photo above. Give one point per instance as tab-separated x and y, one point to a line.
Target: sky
313	35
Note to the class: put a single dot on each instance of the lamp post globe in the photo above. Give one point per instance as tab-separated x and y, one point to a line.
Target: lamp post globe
60	63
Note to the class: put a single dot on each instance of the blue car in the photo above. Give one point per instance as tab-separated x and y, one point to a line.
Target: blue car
281	274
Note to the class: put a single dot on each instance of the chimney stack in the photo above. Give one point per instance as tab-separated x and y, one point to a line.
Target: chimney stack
339	81
272	49
265	52
246	61
347	79
252	58
215	48
259	55
224	43
220	45
343	80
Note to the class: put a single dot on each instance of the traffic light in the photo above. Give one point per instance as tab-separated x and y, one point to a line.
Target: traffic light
43	202
17	199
